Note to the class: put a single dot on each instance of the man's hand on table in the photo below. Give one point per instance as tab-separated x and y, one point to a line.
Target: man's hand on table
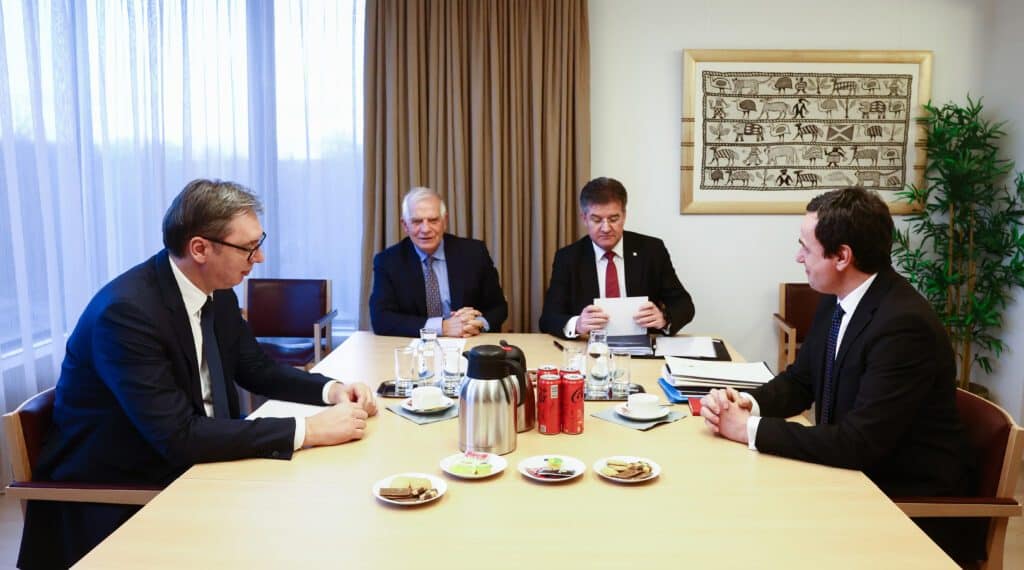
462	323
725	413
356	393
337	424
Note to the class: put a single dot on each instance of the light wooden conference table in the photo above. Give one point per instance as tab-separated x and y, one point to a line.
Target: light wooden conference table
716	503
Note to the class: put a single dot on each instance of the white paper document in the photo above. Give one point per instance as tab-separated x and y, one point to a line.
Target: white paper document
620	314
716	372
282	409
685	346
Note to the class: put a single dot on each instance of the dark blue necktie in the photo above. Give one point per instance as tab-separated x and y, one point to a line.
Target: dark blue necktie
218	387
827	395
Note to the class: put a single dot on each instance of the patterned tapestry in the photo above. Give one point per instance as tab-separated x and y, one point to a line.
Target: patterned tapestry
768	131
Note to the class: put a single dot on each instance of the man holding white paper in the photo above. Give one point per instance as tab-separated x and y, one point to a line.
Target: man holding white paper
612	263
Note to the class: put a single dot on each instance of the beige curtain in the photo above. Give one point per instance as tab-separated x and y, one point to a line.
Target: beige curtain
487	102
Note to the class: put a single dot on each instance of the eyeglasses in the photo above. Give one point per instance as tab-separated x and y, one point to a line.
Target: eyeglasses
250	250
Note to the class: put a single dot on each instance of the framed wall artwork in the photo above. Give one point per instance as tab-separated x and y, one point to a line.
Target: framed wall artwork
764	131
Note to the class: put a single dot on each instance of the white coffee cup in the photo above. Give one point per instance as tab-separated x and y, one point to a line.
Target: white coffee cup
643	404
426	397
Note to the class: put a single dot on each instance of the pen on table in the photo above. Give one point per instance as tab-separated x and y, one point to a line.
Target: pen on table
558	345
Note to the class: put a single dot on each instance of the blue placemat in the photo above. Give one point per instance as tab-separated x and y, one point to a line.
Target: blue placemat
609	415
421	419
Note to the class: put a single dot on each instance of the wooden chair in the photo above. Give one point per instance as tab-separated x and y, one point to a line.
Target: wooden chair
797	303
291	318
26	429
998	442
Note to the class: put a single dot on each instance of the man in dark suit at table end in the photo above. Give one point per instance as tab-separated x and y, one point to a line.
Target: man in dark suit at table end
878	366
434	280
611	262
147	387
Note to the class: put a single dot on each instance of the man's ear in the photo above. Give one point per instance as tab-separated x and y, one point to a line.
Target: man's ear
198	249
843	258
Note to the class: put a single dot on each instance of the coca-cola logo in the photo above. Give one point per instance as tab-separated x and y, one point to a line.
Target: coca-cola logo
577	396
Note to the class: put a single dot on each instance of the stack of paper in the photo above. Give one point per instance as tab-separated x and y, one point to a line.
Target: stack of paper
636	345
686	346
701	375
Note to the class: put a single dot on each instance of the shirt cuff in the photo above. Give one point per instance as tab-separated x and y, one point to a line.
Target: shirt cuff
300	433
570	328
487	325
327	390
752	423
434	323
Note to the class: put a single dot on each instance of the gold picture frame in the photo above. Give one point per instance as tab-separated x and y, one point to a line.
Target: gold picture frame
764	131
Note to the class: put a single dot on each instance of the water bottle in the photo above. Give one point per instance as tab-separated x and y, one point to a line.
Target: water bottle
429	359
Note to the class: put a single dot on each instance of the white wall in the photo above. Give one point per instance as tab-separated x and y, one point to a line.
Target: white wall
732	264
1002	85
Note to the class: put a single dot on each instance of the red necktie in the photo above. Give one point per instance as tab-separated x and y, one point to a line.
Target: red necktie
611	276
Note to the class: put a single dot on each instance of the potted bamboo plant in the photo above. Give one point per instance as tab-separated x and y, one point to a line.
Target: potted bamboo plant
964	250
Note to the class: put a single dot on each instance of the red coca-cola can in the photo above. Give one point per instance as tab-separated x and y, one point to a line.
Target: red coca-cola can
549	411
572	403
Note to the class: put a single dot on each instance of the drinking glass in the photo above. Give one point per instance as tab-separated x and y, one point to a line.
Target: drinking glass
573	359
452	371
405	370
430	359
621	361
598	364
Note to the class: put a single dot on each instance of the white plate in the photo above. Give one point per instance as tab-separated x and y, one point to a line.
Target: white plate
538	461
498	464
623	410
600	464
446	403
435	481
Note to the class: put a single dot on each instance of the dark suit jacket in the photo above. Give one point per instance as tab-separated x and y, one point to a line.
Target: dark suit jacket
129	405
894	415
398	303
649	272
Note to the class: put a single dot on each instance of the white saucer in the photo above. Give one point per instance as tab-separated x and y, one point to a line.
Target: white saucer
446	403
498	464
538	461
435	481
655	468
624	411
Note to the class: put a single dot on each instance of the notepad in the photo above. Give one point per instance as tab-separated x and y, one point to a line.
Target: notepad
686	346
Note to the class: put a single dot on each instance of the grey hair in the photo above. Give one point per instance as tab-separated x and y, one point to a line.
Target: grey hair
417	195
205	208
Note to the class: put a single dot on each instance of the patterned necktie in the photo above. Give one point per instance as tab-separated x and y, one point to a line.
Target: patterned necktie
433	289
611	276
827	395
218	386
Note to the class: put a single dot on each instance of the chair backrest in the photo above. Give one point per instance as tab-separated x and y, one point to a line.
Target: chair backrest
286	307
797	303
991	432
26	429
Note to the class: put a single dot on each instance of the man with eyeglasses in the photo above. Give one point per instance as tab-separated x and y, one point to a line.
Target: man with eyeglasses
147	387
433	279
610	262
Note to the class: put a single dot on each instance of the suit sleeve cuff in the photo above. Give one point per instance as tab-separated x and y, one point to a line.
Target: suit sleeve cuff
570	328
300	433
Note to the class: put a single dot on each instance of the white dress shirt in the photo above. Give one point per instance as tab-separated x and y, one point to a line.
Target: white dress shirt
849	304
194	300
602	268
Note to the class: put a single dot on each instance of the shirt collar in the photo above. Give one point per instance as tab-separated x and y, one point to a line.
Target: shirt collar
194	298
438	255
852	299
599	253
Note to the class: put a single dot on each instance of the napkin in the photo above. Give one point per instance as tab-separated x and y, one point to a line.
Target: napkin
609	415
421	419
